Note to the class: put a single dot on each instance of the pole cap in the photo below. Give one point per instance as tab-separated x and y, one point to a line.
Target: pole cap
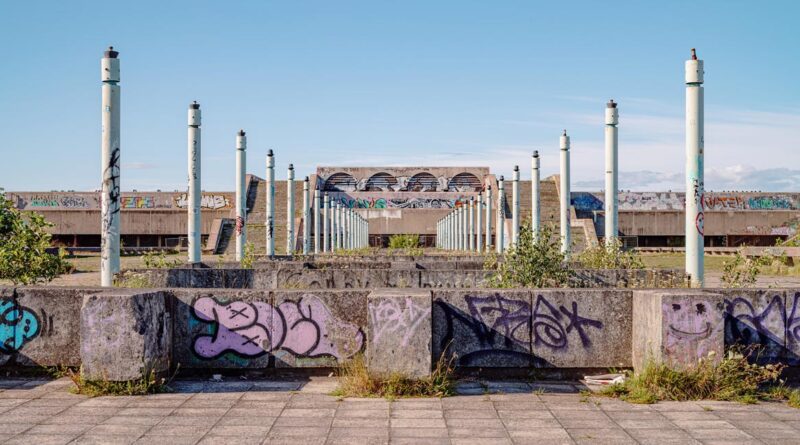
611	104
110	53
535	153
269	153
194	105
516	168
241	132
306	180
291	166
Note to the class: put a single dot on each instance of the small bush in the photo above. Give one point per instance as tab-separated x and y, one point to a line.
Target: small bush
531	262
610	256
133	280
159	260
248	256
405	241
355	380
734	378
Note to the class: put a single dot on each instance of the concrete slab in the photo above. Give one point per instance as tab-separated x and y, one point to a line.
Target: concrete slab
399	332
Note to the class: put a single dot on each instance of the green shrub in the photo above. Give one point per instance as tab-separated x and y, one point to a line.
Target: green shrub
531	263
159	260
610	255
249	256
23	247
355	380
405	241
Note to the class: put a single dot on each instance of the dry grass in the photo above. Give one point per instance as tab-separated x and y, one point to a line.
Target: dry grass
149	383
355	380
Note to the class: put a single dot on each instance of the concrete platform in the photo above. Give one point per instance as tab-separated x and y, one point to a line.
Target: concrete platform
294	411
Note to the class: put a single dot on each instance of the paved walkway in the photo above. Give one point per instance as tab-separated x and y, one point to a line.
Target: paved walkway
38	412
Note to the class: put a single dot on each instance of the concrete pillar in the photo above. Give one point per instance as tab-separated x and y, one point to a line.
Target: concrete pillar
695	176
334	227
612	148
515	207
241	194
317	215
489	216
471	224
479	223
290	210
326	224
566	240
535	194
339	227
402	350
195	187
110	166
306	218
501	217
270	222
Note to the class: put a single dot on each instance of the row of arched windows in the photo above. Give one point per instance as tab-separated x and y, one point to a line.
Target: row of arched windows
421	182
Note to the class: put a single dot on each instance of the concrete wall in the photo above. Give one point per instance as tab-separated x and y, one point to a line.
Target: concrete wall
487	328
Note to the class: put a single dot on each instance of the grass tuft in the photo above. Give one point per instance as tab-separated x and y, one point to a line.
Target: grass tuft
149	383
355	380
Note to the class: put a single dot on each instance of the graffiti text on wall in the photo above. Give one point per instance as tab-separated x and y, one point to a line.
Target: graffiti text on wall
390	316
207	202
401	203
305	328
18	325
138	202
69	202
645	201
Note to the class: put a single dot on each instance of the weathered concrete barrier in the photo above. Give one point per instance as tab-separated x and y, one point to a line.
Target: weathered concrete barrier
548	329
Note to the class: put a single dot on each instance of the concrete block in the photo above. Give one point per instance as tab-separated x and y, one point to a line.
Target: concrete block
399	332
483	328
359	278
582	328
318	328
677	327
303	279
238	278
760	319
264	279
125	333
222	328
40	326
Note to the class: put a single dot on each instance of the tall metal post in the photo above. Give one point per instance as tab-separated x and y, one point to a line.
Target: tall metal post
317	226
195	194
612	150
339	227
471	224
326	224
290	238
489	216
306	218
695	170
270	221
241	194
535	199
501	215
515	207
110	166
479	223
566	240
334	226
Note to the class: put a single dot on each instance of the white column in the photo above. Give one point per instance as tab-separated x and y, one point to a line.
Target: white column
290	238
470	224
195	187
612	148
306	218
535	199
110	166
515	207
479	223
489	216
270	221
241	194
566	240
501	215
695	176
334	226
339	226
317	225
326	224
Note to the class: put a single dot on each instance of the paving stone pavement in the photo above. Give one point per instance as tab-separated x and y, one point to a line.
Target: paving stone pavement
292	412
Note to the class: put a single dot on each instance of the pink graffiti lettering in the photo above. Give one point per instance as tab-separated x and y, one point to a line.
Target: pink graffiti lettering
389	316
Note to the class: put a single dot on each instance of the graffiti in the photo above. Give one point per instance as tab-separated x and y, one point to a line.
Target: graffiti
586	201
690	328
363	203
212	202
651	201
771	323
18	325
648	201
111	203
390	316
717	202
551	326
771	203
239	225
138	202
305	328
43	201
700	222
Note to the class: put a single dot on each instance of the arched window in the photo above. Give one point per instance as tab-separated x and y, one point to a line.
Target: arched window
340	182
465	182
422	182
381	182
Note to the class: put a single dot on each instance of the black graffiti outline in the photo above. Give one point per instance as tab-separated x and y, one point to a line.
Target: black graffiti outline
553	324
7	346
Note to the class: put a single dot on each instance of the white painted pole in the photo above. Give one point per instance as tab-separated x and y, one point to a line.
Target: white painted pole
270	221
565	195
612	155
195	193
695	175
110	166
326	224
501	216
452	230
470	224
535	198
334	226
339	226
290	237
479	223
241	194
515	207
317	217
306	218
489	216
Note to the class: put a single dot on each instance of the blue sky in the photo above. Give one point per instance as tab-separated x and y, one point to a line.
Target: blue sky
399	83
